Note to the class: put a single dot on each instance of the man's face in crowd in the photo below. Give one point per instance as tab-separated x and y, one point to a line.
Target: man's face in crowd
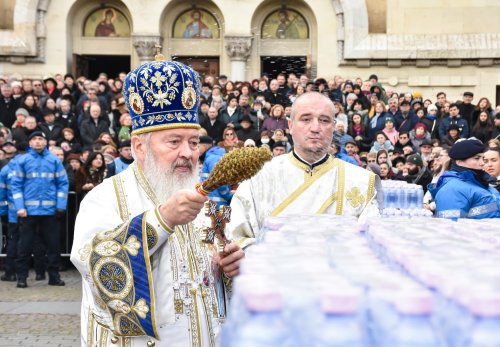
426	149
38	143
441	99
312	124
454	111
65	106
274	86
467	99
405	108
27	86
393	105
412	168
281	80
243	100
58	152
400	166
212	113
279	150
403	139
6	91
30	123
245	124
126	152
95	111
204	108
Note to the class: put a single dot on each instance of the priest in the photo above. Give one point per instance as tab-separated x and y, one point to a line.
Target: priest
148	279
305	181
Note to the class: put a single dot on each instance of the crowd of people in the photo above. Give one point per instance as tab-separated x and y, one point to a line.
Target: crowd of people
399	135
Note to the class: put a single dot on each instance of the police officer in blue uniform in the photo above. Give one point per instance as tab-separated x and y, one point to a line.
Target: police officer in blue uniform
39	190
464	191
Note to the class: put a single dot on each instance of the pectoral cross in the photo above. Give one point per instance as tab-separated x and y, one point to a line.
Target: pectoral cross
218	224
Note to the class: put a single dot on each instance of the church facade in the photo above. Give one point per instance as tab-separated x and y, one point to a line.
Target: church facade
426	45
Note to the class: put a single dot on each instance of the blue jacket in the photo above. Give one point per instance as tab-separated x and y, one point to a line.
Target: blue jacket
376	125
221	196
7	207
459	121
406	124
39	183
460	195
342	155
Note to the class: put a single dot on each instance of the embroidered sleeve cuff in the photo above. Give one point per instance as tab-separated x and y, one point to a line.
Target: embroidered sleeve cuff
160	223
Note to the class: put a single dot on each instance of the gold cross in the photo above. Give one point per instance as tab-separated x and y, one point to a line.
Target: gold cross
158	55
355	197
219	220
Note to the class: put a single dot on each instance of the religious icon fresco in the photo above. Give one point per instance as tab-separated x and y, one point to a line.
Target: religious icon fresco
285	24
106	22
196	24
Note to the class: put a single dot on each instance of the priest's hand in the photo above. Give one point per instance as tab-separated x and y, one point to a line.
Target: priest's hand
230	260
182	207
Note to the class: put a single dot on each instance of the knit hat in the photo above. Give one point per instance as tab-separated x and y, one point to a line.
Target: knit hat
420	125
389	119
453	127
464	149
22	111
249	142
415	159
279	144
417	94
206	140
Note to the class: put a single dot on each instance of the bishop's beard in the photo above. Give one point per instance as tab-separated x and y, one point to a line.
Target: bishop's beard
165	181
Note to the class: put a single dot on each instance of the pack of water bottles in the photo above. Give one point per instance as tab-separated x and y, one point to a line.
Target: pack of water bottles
324	281
403	199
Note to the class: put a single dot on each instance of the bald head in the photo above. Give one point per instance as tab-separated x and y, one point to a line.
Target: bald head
311	97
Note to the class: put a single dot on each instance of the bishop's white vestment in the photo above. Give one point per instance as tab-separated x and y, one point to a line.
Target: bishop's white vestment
288	185
142	281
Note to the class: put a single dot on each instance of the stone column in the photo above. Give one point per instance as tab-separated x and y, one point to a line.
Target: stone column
145	46
238	48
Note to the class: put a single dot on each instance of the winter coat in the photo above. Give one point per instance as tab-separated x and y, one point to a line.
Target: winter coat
221	196
461	195
39	183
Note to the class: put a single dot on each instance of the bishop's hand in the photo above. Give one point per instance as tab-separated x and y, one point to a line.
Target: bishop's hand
182	207
230	260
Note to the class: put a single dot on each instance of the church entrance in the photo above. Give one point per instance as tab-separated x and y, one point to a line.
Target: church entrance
202	65
272	66
91	66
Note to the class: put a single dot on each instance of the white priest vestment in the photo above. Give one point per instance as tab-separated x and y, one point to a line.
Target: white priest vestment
287	185
143	282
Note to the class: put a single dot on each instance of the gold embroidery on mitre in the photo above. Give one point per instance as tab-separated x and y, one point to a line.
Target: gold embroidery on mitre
135	101
355	197
188	96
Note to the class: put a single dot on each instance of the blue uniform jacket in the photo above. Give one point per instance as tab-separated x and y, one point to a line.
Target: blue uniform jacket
39	183
6	200
342	155
460	195
221	196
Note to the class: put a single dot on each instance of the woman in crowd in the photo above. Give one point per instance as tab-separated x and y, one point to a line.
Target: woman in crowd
390	130
381	142
276	120
419	134
492	163
452	136
339	114
482	105
91	174
29	103
464	191
441	164
297	92
107	139
357	129
230	140
245	90
376	122
483	128
229	89
385	171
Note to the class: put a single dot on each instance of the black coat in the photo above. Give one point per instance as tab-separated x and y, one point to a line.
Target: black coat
216	130
54	134
8	111
90	131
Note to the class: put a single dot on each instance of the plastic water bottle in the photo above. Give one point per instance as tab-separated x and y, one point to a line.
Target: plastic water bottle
413	328
420	194
485	309
265	326
342	325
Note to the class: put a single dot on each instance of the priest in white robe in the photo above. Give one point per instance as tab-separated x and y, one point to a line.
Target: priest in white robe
305	181
148	277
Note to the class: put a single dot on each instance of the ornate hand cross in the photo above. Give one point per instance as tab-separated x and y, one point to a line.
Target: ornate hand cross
219	220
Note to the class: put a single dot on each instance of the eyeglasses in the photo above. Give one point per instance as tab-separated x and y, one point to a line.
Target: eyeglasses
229	134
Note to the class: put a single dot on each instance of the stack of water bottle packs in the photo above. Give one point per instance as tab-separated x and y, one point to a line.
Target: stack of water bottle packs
323	281
403	199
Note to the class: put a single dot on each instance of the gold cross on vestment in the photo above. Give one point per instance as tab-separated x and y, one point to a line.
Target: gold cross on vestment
219	219
355	197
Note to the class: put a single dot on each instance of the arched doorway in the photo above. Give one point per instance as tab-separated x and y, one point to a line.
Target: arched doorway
285	39
192	34
101	38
